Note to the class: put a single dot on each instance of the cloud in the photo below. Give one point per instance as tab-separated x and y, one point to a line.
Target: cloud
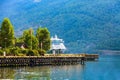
37	0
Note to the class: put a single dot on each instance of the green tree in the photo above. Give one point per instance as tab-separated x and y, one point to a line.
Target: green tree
0	38
43	36
7	34
29	39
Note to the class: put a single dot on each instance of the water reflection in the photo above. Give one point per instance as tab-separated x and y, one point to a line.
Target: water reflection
6	73
63	72
107	68
66	72
25	73
39	73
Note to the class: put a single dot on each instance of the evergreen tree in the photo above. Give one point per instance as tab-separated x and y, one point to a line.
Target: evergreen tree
7	34
29	39
43	36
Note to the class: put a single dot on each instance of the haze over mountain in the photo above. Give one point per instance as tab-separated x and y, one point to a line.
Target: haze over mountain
84	25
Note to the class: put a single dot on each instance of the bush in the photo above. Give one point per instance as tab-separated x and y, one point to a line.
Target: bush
14	52
21	54
42	52
32	53
7	52
24	52
36	53
1	52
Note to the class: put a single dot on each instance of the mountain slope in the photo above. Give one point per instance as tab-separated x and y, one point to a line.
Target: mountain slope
85	25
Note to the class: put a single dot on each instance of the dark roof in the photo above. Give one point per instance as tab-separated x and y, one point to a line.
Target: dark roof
21	44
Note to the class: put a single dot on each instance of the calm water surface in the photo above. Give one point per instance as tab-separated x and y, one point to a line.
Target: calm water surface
107	68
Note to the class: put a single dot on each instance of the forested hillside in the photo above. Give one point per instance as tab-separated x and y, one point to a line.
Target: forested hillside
84	25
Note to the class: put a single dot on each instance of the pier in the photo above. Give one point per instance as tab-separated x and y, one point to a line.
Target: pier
47	59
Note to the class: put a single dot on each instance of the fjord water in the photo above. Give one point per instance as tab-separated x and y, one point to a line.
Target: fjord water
106	68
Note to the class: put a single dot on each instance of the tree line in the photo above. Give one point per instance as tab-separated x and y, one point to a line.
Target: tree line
33	43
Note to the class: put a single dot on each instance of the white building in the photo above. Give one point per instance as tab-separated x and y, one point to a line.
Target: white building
57	45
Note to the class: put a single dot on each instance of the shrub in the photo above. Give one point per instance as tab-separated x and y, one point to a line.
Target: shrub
36	53
32	53
21	54
42	52
14	52
24	52
1	52
7	52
